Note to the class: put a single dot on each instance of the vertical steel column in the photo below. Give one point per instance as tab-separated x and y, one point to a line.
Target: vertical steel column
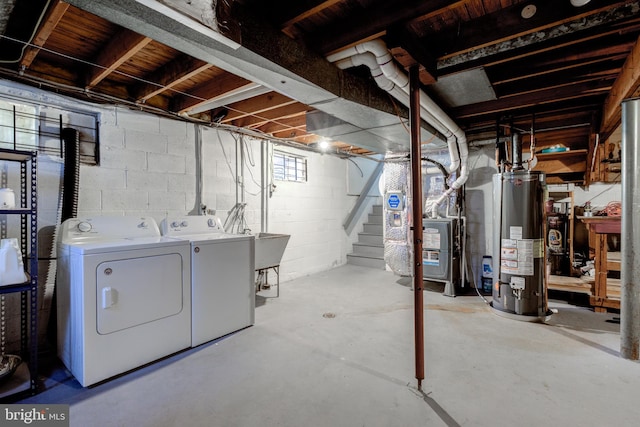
630	244
416	195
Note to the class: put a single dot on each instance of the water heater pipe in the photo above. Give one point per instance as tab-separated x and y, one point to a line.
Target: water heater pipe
516	152
433	114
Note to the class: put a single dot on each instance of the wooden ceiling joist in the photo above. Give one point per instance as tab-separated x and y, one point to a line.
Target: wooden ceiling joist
54	14
256	106
286	111
537	98
165	78
285	124
286	27
210	91
120	49
350	30
627	85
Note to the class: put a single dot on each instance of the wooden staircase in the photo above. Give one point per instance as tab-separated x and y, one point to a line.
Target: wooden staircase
368	251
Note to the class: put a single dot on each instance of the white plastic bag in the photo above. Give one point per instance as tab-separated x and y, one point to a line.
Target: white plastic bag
11	266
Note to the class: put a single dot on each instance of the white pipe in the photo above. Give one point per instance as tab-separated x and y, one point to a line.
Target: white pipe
433	111
369	60
433	114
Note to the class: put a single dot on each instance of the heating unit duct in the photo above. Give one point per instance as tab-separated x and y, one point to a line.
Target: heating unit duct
519	290
397	205
375	55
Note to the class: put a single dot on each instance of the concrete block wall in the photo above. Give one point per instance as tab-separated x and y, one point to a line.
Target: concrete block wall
148	167
313	213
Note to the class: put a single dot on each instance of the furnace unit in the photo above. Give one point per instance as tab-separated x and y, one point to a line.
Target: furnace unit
440	253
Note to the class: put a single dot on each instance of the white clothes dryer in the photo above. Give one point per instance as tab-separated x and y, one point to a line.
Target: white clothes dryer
222	276
123	296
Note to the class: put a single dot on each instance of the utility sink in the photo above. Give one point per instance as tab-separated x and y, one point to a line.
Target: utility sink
269	249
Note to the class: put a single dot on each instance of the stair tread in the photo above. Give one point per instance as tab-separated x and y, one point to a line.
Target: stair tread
368	251
365	256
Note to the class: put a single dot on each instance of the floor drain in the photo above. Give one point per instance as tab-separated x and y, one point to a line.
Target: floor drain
329	315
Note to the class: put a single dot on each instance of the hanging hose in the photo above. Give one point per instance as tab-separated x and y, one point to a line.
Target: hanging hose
70	182
68	208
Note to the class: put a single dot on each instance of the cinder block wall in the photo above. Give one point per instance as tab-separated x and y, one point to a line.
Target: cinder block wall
148	167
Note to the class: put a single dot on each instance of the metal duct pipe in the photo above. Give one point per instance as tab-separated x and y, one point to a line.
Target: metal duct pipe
456	138
516	152
630	244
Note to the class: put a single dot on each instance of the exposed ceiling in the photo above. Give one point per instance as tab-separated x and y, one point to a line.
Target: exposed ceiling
546	65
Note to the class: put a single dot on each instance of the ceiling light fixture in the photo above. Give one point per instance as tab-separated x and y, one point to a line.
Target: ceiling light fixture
528	11
323	144
578	3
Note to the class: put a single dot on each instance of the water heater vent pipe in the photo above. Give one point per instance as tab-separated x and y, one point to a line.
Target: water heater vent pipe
430	111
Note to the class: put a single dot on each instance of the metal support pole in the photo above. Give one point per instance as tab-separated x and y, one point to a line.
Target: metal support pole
416	196
266	184
630	242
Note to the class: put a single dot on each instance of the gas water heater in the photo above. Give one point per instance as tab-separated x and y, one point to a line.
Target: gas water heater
519	288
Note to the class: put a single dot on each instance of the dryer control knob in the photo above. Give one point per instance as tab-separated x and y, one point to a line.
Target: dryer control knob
175	224
184	223
84	226
211	222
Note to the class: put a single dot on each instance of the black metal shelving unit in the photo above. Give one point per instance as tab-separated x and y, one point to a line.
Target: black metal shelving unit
25	379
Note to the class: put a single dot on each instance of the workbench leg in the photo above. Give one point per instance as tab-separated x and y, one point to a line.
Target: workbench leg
601	270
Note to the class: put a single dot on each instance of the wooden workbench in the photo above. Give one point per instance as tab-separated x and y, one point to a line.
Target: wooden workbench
606	292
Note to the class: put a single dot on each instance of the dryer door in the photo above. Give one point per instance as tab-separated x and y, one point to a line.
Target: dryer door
134	291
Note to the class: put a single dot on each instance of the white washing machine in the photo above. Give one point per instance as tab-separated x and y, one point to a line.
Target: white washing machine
222	276
123	296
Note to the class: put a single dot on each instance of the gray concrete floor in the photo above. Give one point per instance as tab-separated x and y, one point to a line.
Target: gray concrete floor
337	349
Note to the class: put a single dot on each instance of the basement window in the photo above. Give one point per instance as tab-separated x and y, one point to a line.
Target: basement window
29	127
289	167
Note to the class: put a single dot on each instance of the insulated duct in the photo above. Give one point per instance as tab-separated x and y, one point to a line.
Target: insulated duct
397	84
397	234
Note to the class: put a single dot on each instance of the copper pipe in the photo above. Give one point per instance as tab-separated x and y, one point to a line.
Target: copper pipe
416	195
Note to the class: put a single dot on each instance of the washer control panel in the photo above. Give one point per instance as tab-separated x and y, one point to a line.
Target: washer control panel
203	224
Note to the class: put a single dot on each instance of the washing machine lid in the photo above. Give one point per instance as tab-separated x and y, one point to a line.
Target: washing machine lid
88	247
